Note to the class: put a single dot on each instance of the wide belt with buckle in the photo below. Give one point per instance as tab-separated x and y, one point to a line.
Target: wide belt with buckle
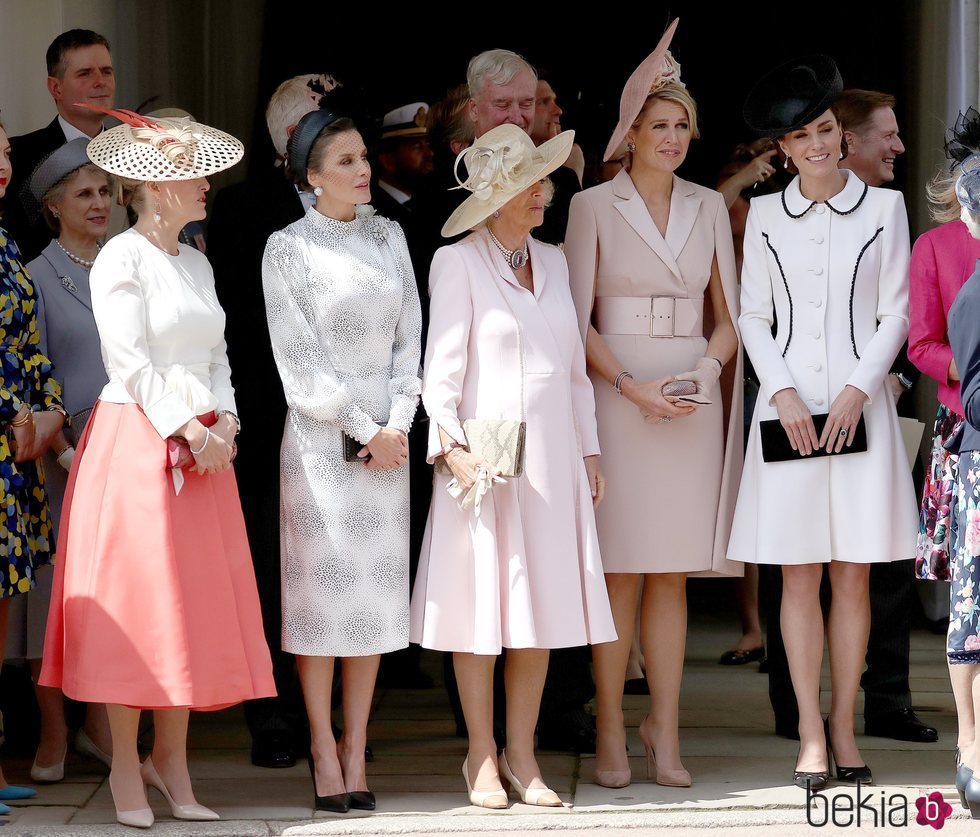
654	316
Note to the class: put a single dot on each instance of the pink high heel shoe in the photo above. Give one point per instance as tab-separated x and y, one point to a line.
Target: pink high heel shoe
669	777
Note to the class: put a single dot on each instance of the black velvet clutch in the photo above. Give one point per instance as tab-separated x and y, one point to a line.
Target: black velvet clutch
776	446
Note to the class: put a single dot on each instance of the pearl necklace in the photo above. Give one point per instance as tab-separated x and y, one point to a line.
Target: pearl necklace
515	258
78	259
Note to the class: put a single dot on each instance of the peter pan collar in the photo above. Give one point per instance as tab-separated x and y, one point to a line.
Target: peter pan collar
843	203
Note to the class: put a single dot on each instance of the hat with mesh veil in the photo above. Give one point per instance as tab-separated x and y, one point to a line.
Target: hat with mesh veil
145	148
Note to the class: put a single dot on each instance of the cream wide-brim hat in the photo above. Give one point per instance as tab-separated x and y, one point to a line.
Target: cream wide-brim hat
653	70
176	149
501	164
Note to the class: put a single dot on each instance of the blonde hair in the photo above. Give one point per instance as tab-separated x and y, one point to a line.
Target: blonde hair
941	193
293	99
672	92
133	195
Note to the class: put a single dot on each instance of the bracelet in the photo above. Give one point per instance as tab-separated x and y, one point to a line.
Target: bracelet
905	382
720	364
207	438
60	452
618	384
238	423
28	417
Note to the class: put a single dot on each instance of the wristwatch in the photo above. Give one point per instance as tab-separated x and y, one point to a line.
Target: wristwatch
59	409
238	423
451	446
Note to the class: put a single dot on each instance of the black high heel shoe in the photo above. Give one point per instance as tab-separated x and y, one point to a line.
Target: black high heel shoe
971	795
813	780
850	775
963	776
335	803
362	800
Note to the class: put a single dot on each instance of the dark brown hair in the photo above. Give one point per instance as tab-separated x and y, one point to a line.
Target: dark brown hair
855	106
66	42
318	150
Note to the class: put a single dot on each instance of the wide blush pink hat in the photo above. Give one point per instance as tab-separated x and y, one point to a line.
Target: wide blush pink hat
656	70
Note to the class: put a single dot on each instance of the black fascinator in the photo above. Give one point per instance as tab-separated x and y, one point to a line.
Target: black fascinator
963	139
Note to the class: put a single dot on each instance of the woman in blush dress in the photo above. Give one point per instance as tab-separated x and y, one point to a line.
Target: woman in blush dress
508	563
650	259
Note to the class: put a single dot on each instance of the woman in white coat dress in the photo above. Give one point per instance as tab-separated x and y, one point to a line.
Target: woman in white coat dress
345	324
827	261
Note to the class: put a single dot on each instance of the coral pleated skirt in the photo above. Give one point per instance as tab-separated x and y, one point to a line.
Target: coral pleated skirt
154	602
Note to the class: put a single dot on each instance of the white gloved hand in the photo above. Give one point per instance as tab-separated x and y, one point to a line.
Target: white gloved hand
704	374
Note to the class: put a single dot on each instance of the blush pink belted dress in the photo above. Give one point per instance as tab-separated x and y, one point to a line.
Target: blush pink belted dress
525	572
154	602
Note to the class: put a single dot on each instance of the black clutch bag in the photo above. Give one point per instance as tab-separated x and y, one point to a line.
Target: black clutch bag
776	446
352	447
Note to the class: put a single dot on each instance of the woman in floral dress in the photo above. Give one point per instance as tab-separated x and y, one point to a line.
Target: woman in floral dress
30	415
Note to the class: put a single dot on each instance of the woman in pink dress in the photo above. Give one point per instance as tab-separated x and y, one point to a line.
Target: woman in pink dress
154	603
508	563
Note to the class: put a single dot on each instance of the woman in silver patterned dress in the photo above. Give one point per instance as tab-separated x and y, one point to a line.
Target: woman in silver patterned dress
345	324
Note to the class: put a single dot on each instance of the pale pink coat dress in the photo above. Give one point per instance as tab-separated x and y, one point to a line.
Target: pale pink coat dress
526	572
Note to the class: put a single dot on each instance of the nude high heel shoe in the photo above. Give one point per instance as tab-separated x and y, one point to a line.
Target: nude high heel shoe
137	818
495	799
180	812
545	797
52	773
671	778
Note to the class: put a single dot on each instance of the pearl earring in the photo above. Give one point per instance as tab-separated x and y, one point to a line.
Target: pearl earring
496	213
317	191
55	213
631	147
786	161
156	212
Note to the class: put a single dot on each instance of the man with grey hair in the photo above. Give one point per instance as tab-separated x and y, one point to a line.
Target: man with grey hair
244	216
502	90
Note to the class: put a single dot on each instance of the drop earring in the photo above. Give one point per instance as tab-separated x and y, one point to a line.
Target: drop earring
786	161
317	191
156	212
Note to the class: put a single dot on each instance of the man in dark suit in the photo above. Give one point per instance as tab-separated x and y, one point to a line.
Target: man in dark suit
79	71
244	216
867	118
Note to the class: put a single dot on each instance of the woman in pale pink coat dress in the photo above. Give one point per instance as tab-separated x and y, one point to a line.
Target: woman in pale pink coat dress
521	570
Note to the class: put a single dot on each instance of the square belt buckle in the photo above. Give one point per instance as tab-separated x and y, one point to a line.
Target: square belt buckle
662	316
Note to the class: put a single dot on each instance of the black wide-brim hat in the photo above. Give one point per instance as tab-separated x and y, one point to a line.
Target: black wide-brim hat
792	94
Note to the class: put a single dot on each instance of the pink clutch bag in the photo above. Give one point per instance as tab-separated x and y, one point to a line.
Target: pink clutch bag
684	392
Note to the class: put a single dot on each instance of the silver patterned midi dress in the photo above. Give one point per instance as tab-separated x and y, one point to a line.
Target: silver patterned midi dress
345	324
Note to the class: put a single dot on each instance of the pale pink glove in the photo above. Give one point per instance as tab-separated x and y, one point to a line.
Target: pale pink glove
704	375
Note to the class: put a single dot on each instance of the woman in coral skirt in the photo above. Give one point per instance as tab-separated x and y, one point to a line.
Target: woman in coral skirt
154	603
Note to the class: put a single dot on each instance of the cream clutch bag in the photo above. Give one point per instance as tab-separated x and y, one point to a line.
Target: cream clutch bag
498	442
